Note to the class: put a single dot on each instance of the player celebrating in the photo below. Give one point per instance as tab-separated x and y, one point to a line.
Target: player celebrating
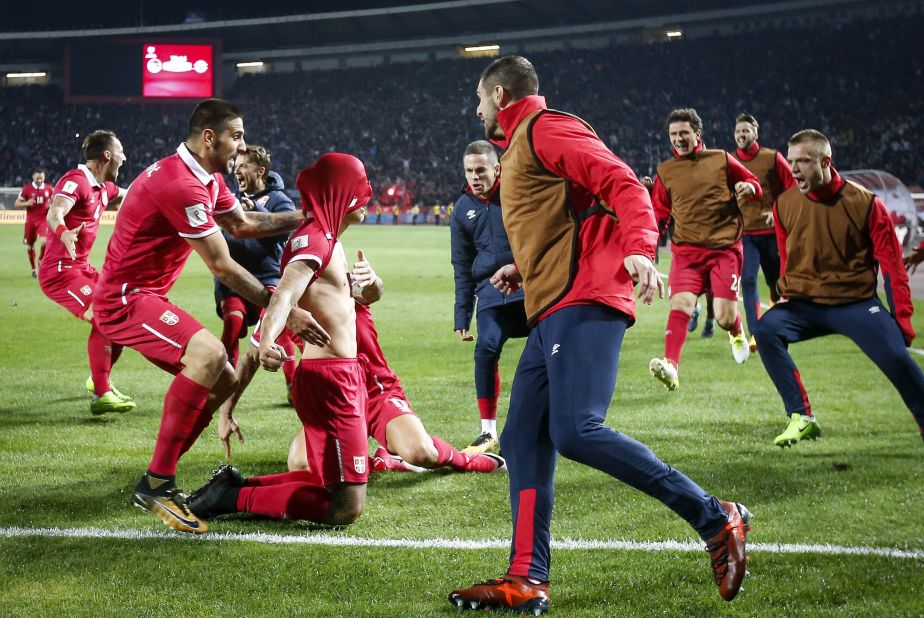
759	240
834	238
261	191
582	230
698	188
66	275
479	248
329	388
35	198
173	207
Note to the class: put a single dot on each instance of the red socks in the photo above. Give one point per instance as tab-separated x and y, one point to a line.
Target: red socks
447	454
180	425
736	329
289	495
675	335
487	407
233	311
100	351
31	252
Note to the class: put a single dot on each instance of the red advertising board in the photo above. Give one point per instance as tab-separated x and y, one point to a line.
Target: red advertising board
171	70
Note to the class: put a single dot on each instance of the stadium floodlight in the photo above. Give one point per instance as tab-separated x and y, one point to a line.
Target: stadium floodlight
482	48
25	75
674	34
249	65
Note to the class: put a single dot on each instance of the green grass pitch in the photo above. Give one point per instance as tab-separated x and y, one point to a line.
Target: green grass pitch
861	485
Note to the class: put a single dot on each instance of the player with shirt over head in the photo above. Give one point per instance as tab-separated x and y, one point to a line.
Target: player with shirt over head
329	390
700	189
66	275
175	206
35	198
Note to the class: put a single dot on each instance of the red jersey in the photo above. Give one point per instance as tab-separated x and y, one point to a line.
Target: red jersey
171	201
379	376
90	199
42	196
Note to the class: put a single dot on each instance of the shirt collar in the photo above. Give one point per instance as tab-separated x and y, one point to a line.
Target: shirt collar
37	186
828	191
193	165
86	172
750	153
511	116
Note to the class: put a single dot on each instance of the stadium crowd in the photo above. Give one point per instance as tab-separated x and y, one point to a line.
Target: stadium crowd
408	121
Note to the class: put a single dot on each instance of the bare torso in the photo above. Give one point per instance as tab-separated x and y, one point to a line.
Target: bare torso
330	301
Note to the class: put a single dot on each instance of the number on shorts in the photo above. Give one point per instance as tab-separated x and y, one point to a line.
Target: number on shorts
736	280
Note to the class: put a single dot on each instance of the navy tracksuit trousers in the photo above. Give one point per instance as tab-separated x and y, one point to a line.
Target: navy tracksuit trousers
867	323
760	252
496	325
562	389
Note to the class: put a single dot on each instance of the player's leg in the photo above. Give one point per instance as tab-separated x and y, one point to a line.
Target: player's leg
725	283
682	304
488	348
752	263
709	323
531	460
782	325
102	354
406	437
582	377
874	330
28	239
770	263
233	316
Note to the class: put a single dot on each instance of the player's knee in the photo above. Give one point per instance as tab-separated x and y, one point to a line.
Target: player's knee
209	354
487	351
421	454
346	506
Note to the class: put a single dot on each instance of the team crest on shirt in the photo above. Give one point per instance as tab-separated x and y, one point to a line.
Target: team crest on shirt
299	242
359	464
86	290
169	318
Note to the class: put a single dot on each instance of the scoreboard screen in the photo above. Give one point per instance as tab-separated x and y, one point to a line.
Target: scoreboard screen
141	70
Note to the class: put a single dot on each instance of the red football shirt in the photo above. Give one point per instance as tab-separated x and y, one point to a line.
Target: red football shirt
379	376
42	195
90	199
172	200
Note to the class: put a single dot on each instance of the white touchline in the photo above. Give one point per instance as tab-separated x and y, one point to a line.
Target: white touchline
441	543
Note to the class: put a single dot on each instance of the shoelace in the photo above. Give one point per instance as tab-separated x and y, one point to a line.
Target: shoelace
720	562
179	498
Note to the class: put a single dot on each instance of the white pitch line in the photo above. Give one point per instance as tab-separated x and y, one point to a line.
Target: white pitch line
331	540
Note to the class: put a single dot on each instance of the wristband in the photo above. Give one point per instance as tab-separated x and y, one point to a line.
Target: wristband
60	230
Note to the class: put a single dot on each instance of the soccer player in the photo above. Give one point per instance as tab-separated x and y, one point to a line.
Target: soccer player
698	188
479	248
329	388
262	190
566	196
834	238
405	443
759	240
173	207
35	198
65	273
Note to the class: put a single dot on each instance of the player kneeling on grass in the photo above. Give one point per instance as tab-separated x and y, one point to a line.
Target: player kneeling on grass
328	388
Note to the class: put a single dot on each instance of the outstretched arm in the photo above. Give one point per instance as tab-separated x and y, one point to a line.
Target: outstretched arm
214	252
55	219
254	223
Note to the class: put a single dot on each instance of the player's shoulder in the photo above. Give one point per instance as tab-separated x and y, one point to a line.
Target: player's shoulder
72	183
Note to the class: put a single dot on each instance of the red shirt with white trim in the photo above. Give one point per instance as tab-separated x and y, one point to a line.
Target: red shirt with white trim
89	199
42	196
169	202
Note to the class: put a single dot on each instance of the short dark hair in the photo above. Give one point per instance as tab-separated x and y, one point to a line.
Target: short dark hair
515	74
812	136
38	170
96	143
481	147
214	114
751	120
684	114
259	155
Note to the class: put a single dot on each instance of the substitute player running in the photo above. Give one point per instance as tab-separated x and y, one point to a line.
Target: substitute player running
698	188
582	232
66	275
759	240
176	206
35	198
835	238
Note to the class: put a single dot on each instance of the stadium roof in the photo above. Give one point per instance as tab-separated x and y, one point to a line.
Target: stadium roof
35	32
